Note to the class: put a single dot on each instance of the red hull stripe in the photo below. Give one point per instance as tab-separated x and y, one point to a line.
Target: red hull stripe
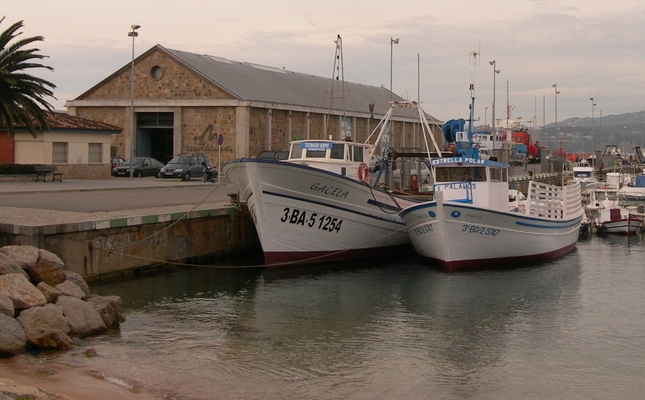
281	260
462	265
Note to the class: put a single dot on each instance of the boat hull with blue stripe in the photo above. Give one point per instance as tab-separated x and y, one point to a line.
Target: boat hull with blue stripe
471	222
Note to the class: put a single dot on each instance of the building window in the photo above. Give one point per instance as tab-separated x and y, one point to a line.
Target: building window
156	72
59	153
95	153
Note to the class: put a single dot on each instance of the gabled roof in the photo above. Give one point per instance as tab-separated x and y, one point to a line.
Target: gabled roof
58	121
254	82
246	81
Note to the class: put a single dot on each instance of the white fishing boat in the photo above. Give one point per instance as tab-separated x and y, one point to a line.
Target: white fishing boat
321	204
583	173
472	222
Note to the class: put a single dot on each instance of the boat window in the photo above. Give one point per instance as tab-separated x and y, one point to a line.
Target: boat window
338	151
358	153
461	174
495	174
296	151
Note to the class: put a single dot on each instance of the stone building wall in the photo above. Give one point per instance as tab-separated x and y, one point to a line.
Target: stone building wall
200	125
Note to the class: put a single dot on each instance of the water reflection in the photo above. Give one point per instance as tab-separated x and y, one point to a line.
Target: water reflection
379	330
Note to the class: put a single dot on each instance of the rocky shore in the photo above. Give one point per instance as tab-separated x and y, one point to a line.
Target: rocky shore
43	306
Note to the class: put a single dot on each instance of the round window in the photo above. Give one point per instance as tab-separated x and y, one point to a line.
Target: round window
156	72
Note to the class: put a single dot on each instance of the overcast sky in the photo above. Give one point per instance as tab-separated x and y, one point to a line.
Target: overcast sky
589	48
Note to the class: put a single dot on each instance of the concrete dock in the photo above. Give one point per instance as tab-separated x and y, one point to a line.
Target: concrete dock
122	238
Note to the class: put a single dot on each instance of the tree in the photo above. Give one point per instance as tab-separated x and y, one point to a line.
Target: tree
22	96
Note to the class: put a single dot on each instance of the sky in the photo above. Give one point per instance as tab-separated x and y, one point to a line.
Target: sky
588	48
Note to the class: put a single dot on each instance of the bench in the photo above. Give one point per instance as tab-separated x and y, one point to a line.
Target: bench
43	170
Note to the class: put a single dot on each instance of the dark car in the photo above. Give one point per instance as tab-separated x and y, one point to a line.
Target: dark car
185	166
141	166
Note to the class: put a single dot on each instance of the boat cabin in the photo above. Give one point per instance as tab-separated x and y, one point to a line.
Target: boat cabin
480	182
345	158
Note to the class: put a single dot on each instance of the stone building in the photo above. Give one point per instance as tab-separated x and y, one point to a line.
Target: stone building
190	103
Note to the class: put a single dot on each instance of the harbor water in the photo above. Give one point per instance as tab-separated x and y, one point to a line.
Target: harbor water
573	328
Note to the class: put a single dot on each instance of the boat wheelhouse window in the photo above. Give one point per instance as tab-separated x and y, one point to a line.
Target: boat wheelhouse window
496	174
338	151
357	151
461	174
296	151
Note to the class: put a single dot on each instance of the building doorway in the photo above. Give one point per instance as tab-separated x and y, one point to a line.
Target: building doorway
155	135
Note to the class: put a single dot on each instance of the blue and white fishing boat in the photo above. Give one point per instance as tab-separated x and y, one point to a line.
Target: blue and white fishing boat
472	223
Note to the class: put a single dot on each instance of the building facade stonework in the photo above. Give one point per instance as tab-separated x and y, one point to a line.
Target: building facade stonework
206	97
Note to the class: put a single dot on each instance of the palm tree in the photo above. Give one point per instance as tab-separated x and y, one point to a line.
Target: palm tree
22	95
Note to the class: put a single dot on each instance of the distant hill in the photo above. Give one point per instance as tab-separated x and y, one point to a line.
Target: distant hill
635	118
579	134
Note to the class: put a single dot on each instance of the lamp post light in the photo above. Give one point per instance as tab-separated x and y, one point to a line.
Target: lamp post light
133	34
392	43
557	132
495	72
593	144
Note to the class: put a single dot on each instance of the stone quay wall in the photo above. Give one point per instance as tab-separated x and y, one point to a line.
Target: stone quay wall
122	246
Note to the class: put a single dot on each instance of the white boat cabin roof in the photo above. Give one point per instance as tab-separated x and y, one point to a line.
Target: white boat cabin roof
337	151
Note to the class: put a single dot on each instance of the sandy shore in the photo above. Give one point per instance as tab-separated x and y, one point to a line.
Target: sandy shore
64	382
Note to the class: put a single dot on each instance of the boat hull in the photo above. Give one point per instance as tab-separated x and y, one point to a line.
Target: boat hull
463	236
306	215
621	227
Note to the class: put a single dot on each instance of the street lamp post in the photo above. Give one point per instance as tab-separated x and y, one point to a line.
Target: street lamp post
133	34
593	144
392	43
557	132
495	72
485	116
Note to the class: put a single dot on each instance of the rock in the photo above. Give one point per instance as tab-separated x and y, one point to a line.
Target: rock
91	352
78	279
46	327
14	390
48	316
81	316
8	266
12	337
109	307
69	288
50	293
51	339
24	256
51	257
21	292
6	306
45	271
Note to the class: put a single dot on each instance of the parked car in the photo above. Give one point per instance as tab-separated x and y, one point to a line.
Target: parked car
185	166
141	166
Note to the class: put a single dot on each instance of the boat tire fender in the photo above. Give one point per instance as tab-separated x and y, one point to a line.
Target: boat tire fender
363	172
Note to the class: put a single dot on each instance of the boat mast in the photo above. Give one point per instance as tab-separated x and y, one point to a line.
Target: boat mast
337	84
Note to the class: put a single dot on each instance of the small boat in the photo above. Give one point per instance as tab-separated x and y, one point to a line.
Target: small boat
618	220
472	222
608	215
633	192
